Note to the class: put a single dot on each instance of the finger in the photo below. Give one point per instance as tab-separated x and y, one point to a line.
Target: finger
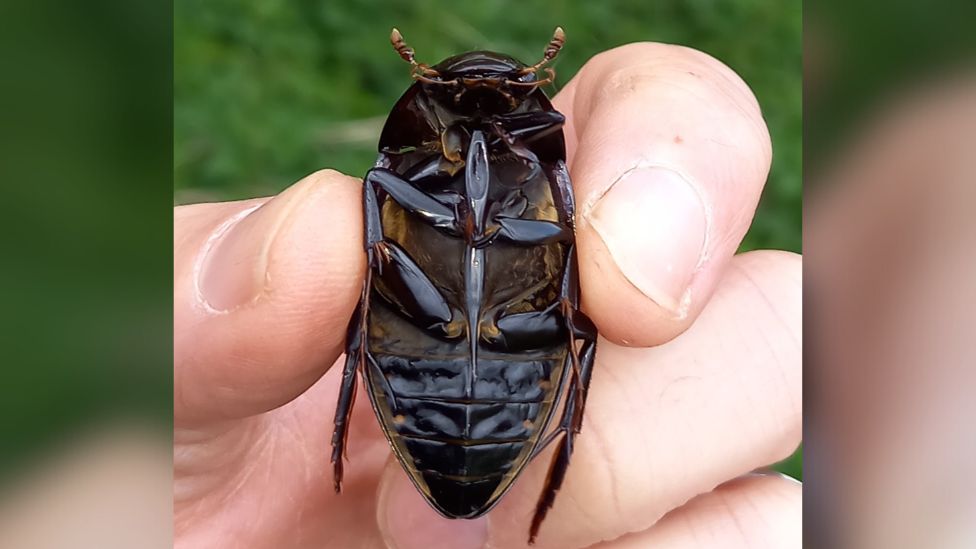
665	424
752	511
263	290
669	154
277	492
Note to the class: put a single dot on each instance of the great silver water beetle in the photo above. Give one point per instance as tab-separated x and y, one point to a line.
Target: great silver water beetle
468	331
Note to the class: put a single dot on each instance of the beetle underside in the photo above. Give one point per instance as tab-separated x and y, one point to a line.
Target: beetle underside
468	331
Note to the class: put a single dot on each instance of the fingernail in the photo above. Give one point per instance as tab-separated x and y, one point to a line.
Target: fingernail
654	224
408	522
234	263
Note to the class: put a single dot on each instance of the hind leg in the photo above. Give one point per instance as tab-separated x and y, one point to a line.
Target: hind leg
355	358
579	327
569	426
391	264
356	337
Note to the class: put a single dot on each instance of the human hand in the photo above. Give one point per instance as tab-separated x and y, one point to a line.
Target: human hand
697	382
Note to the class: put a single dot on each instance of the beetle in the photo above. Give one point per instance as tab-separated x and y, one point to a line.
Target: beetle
468	331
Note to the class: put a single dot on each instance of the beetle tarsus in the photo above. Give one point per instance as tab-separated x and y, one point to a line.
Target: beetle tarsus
554	480
569	426
355	353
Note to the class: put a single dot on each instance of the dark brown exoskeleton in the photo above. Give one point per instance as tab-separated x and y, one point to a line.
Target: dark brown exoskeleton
468	330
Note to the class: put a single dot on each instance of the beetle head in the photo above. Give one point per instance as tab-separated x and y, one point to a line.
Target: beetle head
480	81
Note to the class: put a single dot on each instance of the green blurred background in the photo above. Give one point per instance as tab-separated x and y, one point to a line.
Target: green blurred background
268	91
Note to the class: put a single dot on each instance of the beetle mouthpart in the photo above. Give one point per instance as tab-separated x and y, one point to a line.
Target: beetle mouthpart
552	50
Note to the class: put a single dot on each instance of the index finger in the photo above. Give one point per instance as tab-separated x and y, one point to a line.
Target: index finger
668	154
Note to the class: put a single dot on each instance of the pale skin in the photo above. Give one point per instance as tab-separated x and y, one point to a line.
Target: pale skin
697	380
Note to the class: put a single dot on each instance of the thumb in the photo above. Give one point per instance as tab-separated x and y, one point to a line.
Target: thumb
262	293
670	154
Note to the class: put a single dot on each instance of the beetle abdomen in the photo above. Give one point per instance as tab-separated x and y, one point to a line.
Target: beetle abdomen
510	379
460	448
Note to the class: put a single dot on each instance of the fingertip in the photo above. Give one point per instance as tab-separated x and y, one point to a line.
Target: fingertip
272	289
317	256
671	158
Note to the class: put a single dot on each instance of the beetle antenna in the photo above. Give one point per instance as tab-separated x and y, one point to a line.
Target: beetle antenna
407	54
552	50
401	47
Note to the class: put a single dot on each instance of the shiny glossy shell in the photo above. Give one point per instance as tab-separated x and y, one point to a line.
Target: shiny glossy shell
464	436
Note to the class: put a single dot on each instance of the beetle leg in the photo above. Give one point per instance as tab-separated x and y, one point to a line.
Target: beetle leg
435	168
569	427
564	188
396	269
355	358
407	287
414	200
579	326
560	460
529	232
374	224
584	330
554	480
522	331
513	144
505	222
452	138
527	127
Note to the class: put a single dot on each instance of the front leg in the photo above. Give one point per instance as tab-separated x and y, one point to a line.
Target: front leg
531	232
437	212
505	222
402	283
523	232
527	127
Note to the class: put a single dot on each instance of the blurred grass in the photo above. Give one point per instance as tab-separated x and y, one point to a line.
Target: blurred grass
267	92
85	279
